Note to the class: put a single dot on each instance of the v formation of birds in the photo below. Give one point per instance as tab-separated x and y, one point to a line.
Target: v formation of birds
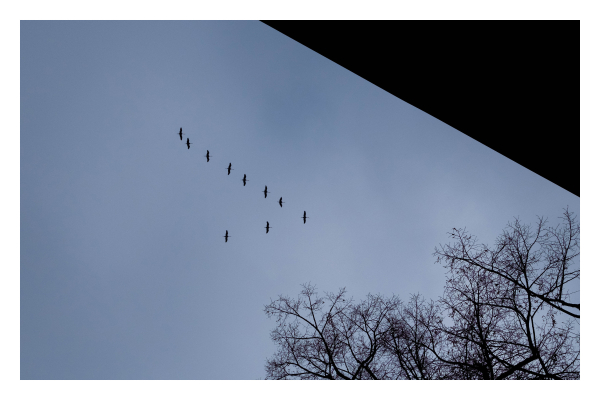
244	180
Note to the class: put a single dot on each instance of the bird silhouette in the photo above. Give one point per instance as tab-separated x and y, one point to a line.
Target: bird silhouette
226	236
265	191
207	156
304	217
188	143
229	169
181	133
267	227
244	179
281	202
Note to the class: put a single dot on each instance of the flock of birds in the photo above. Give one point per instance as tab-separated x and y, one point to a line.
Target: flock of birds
244	180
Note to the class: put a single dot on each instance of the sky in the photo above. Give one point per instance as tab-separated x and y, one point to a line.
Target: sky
124	271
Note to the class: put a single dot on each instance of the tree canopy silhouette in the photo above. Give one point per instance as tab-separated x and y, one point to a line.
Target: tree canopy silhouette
506	313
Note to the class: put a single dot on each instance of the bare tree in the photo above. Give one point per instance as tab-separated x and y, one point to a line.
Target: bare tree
411	338
330	337
533	259
504	303
506	313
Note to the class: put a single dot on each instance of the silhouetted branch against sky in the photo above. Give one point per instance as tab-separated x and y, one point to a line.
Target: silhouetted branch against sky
506	313
535	259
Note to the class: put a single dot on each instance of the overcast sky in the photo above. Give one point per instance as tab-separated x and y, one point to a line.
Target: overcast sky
125	273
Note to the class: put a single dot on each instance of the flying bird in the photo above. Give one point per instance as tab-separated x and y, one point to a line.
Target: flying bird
244	179
207	156
181	133
188	143
267	226
265	191
229	169
226	236
304	217
281	202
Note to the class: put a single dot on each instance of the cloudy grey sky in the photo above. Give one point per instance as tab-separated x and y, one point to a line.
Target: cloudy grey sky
124	270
